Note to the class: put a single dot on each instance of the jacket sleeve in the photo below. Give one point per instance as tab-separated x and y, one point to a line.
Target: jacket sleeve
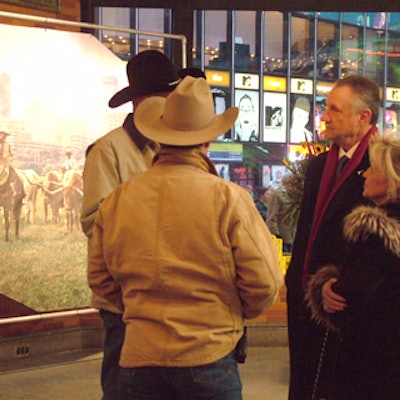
313	295
100	178
100	280
364	270
258	272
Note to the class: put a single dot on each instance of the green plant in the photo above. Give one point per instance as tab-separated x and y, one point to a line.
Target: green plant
298	171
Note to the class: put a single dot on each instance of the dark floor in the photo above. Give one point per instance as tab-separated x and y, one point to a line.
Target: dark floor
75	376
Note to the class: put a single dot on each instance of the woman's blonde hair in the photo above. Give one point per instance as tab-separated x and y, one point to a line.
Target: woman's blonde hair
384	153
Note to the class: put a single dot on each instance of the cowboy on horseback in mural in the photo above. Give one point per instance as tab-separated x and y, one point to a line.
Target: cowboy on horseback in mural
7	172
11	188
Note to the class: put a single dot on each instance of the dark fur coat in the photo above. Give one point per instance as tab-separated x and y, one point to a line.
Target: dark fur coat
368	361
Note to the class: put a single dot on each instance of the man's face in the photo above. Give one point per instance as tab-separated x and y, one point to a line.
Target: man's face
342	120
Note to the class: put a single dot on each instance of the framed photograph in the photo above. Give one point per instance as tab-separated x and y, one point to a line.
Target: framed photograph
274	117
301	121
247	125
277	172
220	101
266	175
223	171
46	5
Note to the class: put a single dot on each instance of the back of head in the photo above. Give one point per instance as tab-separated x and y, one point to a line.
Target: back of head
149	72
287	180
261	191
367	91
384	154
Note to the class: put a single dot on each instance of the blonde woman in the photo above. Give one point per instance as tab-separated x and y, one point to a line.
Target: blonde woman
364	303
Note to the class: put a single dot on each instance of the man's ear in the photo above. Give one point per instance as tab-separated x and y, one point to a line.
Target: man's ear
365	116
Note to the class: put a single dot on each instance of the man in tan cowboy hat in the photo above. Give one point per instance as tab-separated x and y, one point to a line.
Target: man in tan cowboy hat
187	255
111	160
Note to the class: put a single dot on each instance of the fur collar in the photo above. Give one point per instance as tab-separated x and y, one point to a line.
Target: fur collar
381	221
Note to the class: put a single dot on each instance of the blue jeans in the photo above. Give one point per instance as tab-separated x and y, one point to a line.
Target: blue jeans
218	381
114	338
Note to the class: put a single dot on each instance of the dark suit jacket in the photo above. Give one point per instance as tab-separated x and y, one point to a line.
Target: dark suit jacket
330	236
305	337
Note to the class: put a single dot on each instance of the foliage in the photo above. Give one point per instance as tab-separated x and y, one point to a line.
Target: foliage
298	171
250	158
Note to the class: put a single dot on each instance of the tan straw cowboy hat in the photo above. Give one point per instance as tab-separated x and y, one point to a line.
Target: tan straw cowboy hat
186	117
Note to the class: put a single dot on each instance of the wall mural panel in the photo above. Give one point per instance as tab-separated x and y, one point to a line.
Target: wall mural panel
54	92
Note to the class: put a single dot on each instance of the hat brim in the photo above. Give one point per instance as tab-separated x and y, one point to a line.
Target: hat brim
148	119
123	96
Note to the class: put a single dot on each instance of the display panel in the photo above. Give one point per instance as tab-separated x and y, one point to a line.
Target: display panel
266	175
301	120
274	117
223	171
54	90
247	123
277	173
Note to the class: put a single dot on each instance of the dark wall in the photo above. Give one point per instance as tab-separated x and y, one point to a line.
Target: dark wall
270	5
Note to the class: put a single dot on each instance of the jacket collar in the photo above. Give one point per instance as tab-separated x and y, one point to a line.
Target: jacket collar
192	156
139	140
382	221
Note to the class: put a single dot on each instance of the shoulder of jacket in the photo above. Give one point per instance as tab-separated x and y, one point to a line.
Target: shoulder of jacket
116	134
113	139
365	220
233	191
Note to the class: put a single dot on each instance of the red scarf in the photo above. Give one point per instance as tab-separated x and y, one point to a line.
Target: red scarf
329	186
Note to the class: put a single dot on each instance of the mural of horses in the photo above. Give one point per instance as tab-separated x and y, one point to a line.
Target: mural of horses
73	193
11	197
53	197
31	181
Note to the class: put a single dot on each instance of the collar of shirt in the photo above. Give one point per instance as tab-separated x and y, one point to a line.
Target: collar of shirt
140	140
349	153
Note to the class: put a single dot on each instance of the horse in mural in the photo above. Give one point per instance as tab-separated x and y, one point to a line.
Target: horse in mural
64	190
53	198
31	181
73	193
11	197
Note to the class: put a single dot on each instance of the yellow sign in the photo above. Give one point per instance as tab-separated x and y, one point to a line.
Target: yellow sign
218	78
227	147
274	84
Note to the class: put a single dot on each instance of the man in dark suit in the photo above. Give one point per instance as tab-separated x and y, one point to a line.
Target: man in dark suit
350	117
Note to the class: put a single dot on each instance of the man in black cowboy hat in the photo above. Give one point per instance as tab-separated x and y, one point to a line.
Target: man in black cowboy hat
111	160
189	254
